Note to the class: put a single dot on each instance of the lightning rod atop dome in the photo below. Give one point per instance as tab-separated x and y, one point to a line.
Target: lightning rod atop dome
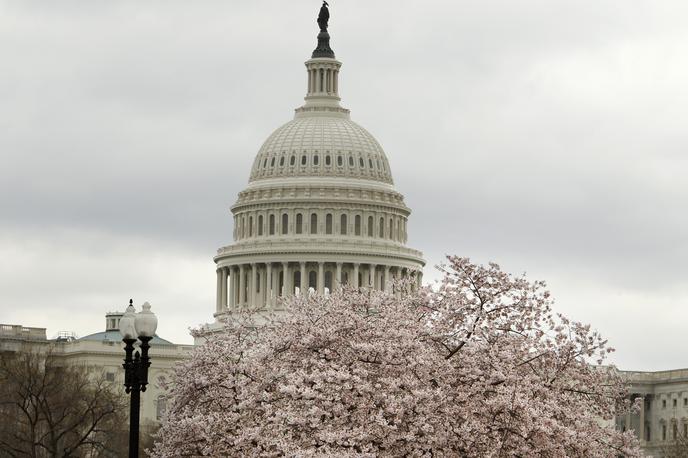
323	49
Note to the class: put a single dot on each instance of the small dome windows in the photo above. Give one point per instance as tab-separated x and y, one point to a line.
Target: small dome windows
340	161
316	160
370	163
265	162
282	161
351	161
360	162
328	160
292	161
304	159
272	162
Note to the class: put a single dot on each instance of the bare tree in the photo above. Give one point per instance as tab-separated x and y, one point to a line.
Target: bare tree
53	409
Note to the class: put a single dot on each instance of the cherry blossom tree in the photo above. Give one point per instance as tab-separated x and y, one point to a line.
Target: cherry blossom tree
477	367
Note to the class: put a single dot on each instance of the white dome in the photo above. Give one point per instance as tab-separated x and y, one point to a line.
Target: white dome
321	146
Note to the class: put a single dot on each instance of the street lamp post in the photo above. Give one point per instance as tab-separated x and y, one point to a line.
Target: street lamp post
135	326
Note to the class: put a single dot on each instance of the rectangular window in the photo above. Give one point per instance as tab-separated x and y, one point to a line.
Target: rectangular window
357	225
663	403
272	225
675	402
343	225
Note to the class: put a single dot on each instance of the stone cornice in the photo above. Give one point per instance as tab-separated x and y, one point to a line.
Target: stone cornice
329	250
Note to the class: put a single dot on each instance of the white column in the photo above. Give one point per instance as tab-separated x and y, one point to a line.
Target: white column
387	288
355	282
270	286
218	298
254	285
338	277
285	277
232	288
371	275
303	286
641	427
321	278
223	289
242	286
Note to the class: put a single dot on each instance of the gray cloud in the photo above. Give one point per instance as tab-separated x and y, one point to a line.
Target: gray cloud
547	136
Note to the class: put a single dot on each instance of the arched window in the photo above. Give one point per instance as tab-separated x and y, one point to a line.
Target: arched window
285	223
382	227
328	223
391	228
271	223
340	161
292	161
281	161
316	160
342	224
370	226
272	162
260	225
241	227
360	162
314	223
351	161
328	160
250	226
303	160
265	162
299	223
357	225
370	163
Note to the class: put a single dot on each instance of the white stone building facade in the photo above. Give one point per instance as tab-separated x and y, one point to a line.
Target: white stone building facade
663	417
102	353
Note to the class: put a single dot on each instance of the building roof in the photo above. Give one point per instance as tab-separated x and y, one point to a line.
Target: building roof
115	336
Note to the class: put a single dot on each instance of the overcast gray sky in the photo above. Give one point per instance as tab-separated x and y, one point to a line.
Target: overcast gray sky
548	136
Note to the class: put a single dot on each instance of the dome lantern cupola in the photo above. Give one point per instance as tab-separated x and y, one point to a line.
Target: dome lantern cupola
322	93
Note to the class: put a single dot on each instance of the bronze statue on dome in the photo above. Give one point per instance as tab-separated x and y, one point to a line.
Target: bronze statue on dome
324	16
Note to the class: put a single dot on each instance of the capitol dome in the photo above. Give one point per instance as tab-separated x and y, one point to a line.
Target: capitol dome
321	146
320	209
